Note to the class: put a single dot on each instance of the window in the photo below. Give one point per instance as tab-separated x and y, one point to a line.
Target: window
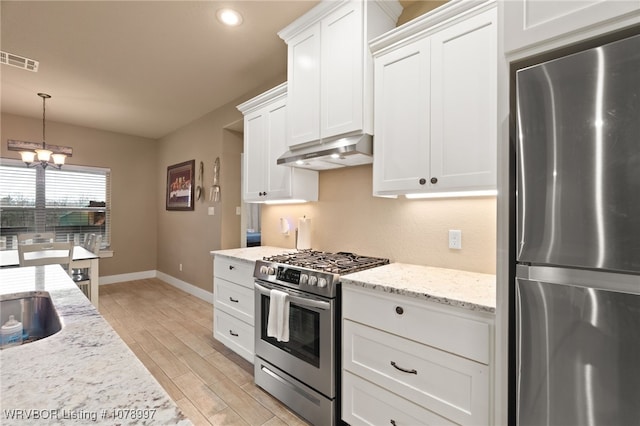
71	202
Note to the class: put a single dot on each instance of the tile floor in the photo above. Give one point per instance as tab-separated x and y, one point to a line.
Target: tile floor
170	331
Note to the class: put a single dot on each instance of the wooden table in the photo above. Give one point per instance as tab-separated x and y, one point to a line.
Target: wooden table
82	258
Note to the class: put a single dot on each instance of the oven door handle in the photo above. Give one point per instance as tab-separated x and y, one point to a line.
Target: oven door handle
302	301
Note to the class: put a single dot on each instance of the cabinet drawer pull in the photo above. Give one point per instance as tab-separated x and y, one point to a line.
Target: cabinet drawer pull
233	334
233	300
399	310
393	422
434	180
231	267
422	181
404	370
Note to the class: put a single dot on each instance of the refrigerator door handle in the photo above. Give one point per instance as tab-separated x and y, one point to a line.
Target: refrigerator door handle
610	281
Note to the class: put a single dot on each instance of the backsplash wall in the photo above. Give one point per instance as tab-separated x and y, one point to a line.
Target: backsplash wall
348	217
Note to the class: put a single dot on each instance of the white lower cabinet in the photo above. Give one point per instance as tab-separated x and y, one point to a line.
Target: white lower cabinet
233	306
369	404
407	361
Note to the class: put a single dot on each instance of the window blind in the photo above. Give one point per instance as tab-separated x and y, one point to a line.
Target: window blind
72	202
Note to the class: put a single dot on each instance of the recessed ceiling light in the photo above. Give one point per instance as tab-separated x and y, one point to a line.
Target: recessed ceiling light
229	17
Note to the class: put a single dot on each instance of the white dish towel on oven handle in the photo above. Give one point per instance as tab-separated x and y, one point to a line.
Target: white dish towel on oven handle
278	321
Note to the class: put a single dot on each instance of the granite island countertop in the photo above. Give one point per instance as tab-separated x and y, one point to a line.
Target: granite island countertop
84	374
468	290
251	254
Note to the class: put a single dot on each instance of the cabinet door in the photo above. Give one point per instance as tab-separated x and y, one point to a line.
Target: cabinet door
531	22
464	105
304	87
255	142
278	177
402	119
342	71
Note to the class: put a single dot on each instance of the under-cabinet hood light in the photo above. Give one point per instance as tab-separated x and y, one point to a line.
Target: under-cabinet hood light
346	151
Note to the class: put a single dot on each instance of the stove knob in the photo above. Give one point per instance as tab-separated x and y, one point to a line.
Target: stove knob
313	280
271	270
322	282
263	269
304	278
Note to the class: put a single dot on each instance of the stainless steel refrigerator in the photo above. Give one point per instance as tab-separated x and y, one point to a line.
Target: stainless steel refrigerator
577	279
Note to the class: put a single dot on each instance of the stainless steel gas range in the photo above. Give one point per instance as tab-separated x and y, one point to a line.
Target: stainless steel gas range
303	371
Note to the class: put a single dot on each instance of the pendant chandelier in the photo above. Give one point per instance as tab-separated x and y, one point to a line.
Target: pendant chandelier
35	154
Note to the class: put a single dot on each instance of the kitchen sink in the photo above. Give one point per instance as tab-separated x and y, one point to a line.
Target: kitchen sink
36	312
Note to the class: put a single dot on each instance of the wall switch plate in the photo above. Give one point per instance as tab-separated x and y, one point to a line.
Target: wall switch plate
238	211
180	267
455	239
212	211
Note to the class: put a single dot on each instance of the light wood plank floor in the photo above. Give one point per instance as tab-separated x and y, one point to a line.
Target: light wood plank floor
170	331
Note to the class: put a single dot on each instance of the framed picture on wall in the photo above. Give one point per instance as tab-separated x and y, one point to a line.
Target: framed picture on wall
180	186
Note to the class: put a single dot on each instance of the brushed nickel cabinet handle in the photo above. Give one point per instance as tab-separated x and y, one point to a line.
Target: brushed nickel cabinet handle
233	334
404	370
233	300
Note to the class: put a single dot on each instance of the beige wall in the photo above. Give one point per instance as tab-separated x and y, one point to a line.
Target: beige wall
348	218
187	237
416	8
133	164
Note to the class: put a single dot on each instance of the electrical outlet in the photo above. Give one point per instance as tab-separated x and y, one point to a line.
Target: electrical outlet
211	211
455	239
181	267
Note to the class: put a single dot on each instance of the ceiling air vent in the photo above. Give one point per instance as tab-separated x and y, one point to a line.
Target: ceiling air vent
19	61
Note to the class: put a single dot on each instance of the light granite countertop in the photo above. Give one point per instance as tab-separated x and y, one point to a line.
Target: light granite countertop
251	254
84	374
464	289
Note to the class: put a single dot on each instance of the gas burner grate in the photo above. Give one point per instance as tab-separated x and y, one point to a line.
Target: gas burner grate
337	263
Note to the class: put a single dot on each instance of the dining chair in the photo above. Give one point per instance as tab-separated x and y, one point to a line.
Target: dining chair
81	275
37	254
36	237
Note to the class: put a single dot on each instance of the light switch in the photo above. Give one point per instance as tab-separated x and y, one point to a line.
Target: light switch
212	211
238	211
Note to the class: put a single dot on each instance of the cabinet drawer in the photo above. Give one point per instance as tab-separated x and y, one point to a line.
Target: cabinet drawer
434	324
235	334
233	270
234	299
364	403
452	386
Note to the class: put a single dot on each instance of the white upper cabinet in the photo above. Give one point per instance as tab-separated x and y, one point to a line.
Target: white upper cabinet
529	23
402	118
304	86
330	68
265	119
436	103
464	104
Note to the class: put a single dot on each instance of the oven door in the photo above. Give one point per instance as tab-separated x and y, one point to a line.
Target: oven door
309	355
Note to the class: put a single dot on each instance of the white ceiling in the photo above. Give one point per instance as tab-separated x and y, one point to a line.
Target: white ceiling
142	68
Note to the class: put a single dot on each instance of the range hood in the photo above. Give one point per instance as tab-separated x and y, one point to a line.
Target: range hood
341	152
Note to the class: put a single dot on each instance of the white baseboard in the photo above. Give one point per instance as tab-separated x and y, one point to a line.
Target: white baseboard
182	285
186	287
142	275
